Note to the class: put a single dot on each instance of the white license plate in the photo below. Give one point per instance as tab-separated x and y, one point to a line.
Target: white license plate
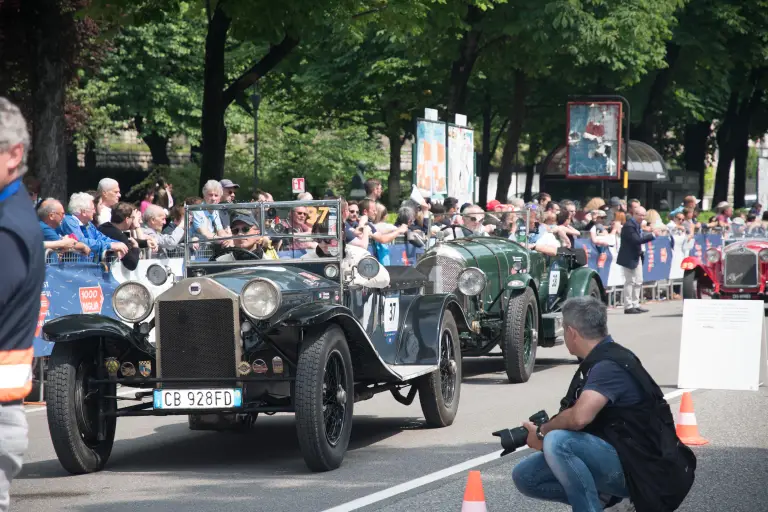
198	398
742	296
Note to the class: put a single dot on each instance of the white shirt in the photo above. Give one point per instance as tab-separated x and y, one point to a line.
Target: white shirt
105	215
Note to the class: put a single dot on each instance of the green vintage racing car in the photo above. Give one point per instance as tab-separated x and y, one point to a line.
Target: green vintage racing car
511	294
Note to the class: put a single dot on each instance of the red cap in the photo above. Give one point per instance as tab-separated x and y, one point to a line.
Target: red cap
492	204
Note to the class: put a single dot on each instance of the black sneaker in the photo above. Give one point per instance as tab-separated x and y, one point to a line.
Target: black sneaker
632	311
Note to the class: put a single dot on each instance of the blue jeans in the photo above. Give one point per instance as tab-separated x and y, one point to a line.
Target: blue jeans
575	468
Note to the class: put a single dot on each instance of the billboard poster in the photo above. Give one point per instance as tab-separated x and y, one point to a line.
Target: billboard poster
594	136
461	163
431	174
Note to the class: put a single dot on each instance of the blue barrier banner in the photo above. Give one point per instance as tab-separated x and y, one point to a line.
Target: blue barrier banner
598	258
73	288
657	260
704	242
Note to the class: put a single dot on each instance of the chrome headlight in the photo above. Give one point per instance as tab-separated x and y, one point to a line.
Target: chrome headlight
260	298
713	255
763	255
132	302
368	267
471	281
331	271
157	274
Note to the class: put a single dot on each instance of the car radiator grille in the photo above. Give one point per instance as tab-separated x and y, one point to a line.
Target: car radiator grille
443	274
741	269
196	338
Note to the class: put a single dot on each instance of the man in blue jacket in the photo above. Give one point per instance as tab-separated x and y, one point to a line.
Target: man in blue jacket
79	222
629	258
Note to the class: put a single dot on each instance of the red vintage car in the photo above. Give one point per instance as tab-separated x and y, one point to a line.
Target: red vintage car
736	270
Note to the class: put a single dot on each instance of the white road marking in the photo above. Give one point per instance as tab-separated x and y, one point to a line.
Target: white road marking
439	475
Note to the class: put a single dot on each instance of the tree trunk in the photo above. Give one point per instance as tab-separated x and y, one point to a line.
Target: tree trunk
47	160
90	155
695	155
394	187
530	168
485	162
214	131
158	146
461	69
740	153
514	131
645	130
725	150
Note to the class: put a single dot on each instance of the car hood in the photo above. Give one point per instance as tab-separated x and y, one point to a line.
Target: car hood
287	278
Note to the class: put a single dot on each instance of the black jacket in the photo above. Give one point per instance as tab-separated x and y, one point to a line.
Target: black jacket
632	240
658	467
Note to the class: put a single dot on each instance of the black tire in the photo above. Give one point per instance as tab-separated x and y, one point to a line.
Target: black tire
439	392
690	285
72	419
324	362
522	315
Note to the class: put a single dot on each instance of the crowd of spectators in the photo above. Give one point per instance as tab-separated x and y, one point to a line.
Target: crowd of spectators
98	221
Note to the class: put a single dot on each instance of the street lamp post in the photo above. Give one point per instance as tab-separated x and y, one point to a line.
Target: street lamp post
256	101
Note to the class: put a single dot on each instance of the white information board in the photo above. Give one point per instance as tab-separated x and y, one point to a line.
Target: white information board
721	344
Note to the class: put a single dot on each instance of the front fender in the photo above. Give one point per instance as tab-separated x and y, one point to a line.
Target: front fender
691	262
366	362
517	283
419	339
578	283
73	328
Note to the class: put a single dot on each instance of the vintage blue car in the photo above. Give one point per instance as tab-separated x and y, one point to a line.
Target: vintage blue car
242	333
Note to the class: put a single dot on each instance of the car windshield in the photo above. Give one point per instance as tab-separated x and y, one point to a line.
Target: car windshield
238	234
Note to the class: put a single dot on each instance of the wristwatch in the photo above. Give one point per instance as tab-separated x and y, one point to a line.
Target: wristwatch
539	433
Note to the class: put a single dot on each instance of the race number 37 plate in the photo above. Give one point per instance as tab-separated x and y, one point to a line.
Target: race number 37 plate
198	398
391	313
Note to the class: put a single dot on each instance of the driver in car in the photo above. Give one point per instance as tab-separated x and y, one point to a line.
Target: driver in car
243	224
352	256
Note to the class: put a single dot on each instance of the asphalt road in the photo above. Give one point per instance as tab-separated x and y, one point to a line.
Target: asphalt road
159	465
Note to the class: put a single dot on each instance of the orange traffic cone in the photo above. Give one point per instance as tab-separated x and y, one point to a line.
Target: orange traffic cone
474	497
687	429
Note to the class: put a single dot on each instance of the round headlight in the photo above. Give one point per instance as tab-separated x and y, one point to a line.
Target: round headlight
260	298
368	267
132	302
471	281
713	255
331	271
763	255
157	274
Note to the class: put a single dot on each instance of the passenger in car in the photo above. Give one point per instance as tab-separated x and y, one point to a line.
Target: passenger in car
352	256
243	224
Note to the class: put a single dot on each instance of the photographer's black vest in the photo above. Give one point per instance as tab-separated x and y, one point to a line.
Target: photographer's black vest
658	467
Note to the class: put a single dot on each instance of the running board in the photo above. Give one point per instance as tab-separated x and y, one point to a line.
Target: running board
411	371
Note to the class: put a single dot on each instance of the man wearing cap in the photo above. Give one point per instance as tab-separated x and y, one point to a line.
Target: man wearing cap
228	196
245	224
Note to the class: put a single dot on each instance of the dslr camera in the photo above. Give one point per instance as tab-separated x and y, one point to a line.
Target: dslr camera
514	438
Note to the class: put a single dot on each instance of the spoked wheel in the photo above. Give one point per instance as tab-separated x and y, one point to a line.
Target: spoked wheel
439	391
73	409
324	399
521	336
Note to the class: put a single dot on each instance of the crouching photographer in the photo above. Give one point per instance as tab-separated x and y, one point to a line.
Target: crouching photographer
614	437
